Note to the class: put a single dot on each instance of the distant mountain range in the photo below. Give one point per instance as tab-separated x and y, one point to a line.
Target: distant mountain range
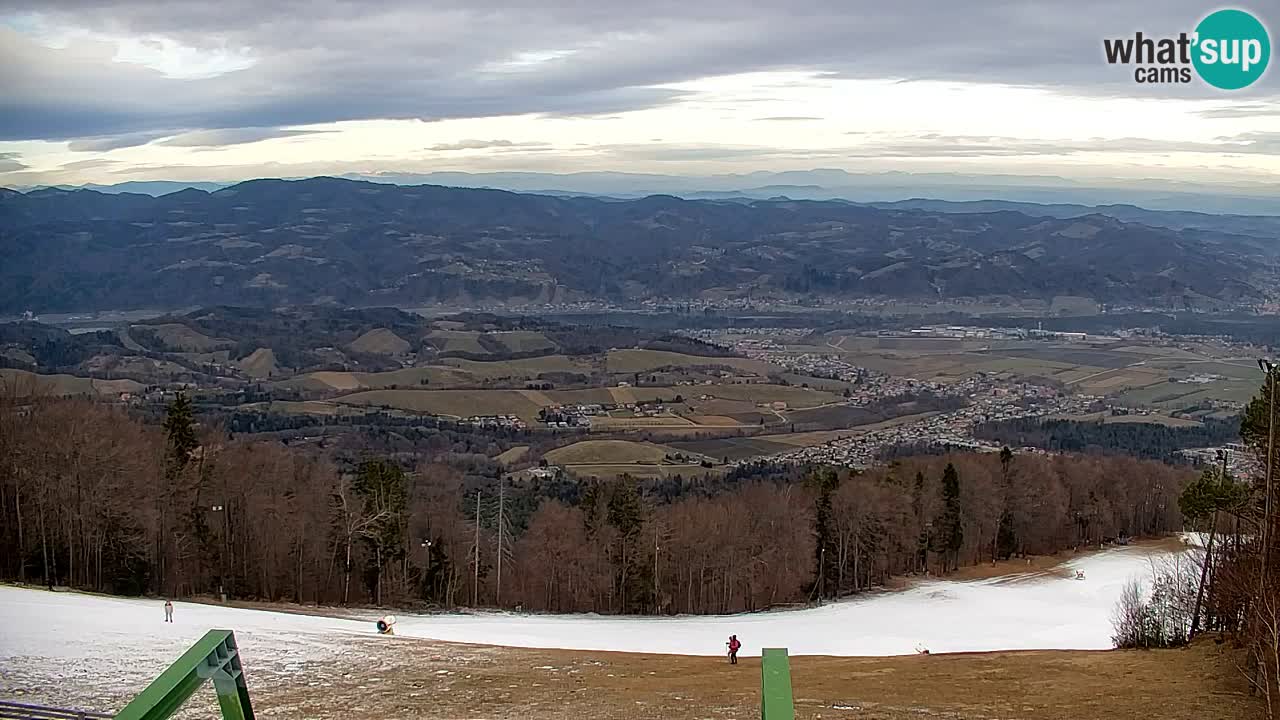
827	184
345	242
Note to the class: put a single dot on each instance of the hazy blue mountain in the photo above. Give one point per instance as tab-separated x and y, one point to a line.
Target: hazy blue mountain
330	240
831	184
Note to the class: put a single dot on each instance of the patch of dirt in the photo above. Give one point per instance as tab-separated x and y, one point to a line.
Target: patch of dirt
432	680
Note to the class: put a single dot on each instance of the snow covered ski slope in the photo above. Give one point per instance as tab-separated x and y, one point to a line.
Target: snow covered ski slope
1010	613
104	641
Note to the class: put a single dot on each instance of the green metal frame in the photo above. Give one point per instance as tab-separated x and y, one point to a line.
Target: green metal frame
215	657
776	699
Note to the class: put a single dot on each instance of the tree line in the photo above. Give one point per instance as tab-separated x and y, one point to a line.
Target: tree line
1238	592
93	498
1141	439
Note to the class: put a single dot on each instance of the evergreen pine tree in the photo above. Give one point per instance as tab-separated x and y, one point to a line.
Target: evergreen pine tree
1006	536
825	549
950	529
626	515
180	430
382	490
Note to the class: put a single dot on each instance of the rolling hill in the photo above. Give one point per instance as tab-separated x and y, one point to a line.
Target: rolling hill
332	241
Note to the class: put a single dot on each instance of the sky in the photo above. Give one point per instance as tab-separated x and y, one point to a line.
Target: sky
102	91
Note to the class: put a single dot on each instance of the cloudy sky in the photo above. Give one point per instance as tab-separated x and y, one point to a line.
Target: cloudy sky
104	92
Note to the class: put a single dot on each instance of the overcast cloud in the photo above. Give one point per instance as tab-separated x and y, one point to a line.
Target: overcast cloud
325	62
109	76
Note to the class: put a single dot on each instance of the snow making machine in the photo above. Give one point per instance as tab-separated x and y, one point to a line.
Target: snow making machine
386	625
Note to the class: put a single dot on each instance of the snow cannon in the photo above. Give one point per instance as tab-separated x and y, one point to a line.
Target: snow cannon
385	625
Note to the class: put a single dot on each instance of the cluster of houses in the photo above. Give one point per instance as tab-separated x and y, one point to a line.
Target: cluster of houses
579	416
951	429
495	422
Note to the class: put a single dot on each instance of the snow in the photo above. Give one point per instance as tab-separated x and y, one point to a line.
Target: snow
1010	613
111	646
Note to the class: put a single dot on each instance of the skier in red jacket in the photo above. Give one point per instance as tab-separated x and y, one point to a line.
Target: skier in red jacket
734	646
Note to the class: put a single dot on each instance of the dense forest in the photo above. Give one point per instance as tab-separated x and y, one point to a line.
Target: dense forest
1140	439
94	499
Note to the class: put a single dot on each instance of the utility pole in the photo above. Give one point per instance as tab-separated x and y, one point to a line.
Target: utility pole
502	519
657	598
1271	371
222	556
426	565
475	578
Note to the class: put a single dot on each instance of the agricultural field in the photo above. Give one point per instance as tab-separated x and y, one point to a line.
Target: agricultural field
306	407
1135	374
20	383
523	368
474	342
624	424
761	393
521	341
512	455
609	452
457	341
381	341
449	403
734	448
831	386
611	458
638	361
1177	396
328	381
178	337
451	373
260	364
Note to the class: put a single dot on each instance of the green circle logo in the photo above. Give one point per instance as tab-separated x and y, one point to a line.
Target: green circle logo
1232	49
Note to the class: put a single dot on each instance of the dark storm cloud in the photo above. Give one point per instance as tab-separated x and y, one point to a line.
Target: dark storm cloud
327	62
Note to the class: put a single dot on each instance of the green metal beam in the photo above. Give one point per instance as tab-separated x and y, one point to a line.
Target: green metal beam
214	657
776	700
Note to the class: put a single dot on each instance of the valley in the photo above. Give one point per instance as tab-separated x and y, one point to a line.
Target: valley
667	403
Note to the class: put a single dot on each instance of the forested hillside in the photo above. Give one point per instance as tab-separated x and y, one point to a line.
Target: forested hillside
334	241
94	499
